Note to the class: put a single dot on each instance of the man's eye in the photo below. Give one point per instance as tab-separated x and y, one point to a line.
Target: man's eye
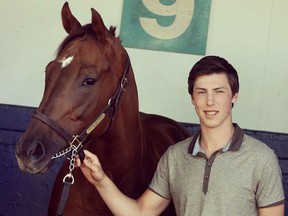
201	92
89	82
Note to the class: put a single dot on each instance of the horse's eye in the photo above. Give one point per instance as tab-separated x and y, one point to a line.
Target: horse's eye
89	81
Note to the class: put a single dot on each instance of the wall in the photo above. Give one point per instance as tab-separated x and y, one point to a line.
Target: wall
251	34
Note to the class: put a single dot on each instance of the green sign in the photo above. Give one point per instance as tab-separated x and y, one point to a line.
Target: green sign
166	25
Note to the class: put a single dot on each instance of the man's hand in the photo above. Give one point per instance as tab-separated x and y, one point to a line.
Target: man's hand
91	168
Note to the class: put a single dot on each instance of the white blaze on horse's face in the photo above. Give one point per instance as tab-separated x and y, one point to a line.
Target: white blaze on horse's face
66	61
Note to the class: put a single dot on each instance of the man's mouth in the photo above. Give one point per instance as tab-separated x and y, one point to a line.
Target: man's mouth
210	113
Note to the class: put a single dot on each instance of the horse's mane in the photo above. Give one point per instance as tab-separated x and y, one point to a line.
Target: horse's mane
86	29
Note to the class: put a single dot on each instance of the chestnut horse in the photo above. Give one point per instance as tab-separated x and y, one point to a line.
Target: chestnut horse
90	99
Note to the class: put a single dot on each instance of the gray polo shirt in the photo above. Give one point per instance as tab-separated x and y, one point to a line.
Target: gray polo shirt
236	180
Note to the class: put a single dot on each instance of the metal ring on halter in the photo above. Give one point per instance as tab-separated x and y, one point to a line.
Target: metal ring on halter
69	175
124	84
109	101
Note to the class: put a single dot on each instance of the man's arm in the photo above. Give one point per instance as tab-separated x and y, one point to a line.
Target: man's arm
272	211
149	203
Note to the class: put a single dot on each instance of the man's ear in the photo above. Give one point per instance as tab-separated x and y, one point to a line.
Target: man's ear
192	100
235	98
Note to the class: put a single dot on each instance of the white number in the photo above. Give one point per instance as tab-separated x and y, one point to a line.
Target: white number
181	9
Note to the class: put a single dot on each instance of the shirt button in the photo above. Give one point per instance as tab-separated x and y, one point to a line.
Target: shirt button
209	164
206	176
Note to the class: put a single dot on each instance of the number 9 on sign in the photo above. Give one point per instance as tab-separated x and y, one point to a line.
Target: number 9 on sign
166	25
182	10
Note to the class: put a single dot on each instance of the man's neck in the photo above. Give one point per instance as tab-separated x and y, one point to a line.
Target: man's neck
213	139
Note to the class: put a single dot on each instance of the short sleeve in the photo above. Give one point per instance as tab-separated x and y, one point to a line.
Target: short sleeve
270	187
160	181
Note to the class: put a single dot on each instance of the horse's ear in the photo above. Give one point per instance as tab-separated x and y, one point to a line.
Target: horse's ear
70	23
98	26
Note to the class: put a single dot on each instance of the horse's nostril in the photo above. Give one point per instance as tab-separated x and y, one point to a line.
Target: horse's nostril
36	151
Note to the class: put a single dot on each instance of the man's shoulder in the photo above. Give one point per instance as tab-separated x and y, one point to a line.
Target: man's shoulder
251	142
257	147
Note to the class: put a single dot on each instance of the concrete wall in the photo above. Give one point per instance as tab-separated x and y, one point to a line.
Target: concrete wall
251	34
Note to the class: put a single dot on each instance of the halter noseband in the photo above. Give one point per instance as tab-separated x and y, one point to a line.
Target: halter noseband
111	108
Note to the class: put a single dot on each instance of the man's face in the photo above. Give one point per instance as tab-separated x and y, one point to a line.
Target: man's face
212	98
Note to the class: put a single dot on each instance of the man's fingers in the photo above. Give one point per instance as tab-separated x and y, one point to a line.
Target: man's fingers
90	161
92	166
89	155
77	161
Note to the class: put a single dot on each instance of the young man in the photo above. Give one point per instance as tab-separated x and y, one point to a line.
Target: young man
219	171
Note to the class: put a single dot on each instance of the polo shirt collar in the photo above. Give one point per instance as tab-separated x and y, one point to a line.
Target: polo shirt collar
234	145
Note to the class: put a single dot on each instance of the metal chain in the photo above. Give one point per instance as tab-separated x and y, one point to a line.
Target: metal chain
74	151
64	152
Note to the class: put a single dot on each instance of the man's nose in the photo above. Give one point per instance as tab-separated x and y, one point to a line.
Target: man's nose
210	99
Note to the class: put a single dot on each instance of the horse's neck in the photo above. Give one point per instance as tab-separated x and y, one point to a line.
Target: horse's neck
119	151
123	139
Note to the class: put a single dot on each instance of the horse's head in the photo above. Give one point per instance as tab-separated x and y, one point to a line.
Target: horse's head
83	85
